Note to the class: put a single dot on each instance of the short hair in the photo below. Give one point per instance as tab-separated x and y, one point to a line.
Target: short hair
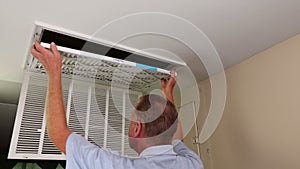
158	116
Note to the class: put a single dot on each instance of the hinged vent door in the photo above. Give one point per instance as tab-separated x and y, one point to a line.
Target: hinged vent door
92	111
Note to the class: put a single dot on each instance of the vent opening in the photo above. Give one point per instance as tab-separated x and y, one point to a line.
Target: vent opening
72	42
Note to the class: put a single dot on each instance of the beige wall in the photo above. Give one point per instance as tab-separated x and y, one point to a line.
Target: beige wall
260	128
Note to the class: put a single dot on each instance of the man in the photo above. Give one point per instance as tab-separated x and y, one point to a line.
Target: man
153	127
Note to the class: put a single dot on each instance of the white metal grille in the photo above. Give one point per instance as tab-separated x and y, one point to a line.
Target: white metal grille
88	106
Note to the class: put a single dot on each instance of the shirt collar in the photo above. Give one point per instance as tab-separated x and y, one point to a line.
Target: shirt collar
156	150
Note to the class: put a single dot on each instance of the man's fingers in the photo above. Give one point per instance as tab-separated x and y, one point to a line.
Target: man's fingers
54	49
169	83
35	53
163	83
172	79
173	74
41	49
38	47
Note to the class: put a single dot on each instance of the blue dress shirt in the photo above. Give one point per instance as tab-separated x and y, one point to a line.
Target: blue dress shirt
82	154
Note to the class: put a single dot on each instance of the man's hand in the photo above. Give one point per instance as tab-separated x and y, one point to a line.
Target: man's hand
167	86
50	59
56	115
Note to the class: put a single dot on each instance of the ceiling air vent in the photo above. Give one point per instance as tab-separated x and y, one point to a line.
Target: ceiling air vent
92	110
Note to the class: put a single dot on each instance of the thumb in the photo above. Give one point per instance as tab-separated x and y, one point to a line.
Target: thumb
54	49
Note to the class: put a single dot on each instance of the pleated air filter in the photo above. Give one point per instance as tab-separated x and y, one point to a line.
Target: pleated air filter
105	70
93	110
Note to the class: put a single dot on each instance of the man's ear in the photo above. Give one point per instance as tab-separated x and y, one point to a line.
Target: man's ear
138	129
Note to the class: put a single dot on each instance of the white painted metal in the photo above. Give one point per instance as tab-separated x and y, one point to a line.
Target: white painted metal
49	151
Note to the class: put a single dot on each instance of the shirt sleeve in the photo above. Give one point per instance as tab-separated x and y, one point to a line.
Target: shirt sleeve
182	150
81	154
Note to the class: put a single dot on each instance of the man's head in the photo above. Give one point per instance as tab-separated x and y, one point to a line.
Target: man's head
154	122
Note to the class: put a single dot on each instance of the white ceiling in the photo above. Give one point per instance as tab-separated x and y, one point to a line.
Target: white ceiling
238	29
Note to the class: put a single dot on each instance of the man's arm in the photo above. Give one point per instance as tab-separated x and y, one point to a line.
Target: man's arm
55	112
167	87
